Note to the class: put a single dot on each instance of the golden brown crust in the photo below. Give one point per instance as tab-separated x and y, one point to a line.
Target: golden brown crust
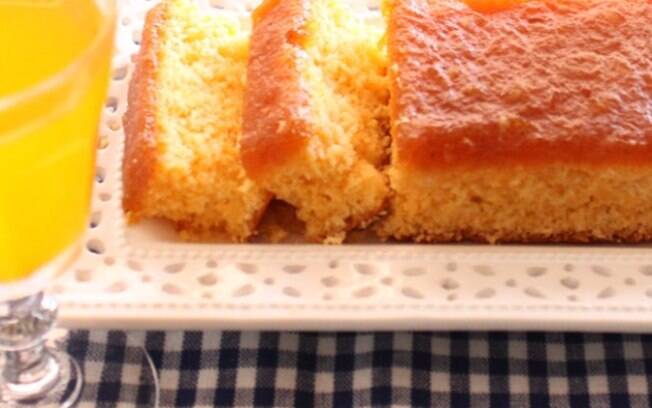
539	82
493	6
568	237
276	108
140	126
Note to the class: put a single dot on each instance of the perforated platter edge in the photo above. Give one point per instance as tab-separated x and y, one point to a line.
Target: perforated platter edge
142	278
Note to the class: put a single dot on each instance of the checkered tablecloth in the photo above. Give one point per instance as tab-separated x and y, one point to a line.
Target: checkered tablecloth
206	369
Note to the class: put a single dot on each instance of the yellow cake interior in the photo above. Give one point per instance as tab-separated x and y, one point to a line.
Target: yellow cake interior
540	204
199	181
336	183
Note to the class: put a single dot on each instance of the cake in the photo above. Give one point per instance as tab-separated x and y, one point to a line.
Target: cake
315	114
183	125
521	121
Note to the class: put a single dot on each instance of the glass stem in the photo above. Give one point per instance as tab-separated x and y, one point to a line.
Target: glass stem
28	369
26	364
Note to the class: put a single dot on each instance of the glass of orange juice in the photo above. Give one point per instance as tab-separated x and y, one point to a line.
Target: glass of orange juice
54	70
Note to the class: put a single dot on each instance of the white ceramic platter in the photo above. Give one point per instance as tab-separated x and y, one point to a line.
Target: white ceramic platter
142	277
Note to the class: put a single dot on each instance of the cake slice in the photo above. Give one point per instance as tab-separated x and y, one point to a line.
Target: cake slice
520	120
315	115
183	125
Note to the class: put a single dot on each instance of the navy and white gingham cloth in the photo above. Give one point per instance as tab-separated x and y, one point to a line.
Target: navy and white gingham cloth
269	369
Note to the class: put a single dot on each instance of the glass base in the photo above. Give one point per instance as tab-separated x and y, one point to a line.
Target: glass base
32	374
56	381
149	388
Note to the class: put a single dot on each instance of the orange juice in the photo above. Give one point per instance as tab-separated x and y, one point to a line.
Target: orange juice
54	64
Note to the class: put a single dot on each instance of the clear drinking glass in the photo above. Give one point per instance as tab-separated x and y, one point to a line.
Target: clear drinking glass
54	70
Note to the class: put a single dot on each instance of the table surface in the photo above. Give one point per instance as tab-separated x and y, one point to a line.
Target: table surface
206	369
